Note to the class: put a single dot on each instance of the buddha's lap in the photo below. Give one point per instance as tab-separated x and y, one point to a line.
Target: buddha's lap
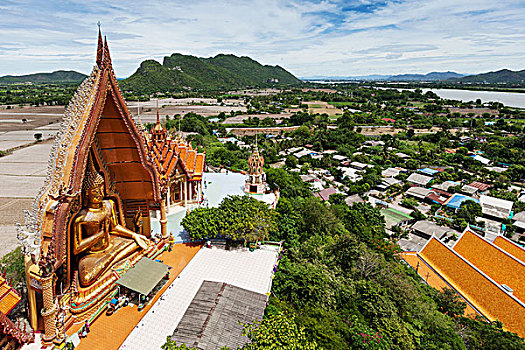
93	264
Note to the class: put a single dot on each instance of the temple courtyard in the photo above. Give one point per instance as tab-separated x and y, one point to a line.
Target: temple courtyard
247	273
251	271
216	187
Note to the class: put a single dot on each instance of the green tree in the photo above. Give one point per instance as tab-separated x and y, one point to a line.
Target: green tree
237	217
469	211
291	162
244	217
277	332
479	334
289	184
450	303
202	223
13	265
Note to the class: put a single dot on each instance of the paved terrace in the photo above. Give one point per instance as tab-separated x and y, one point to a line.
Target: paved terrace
109	332
22	173
241	268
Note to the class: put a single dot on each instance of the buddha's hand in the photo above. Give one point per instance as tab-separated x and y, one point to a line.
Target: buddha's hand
141	240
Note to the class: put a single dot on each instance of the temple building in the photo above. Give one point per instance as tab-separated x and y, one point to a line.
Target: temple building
12	336
179	166
255	182
487	275
90	222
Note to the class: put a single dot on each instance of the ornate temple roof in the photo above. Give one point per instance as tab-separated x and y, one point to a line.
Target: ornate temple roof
510	247
166	151
9	298
96	123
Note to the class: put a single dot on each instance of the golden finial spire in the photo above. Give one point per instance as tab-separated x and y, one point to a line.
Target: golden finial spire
180	133
100	47
107	56
158	117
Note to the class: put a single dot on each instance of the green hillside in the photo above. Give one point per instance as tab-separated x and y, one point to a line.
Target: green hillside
60	76
189	72
502	76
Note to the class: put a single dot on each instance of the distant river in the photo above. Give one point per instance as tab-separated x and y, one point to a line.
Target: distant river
511	99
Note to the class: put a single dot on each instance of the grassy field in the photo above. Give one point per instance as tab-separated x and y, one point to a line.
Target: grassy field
340	104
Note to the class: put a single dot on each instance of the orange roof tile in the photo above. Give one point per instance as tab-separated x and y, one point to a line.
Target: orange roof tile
510	247
190	161
432	278
172	165
475	286
4	289
199	164
182	154
9	301
493	261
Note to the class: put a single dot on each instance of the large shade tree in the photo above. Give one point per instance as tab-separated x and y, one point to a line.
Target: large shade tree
237	218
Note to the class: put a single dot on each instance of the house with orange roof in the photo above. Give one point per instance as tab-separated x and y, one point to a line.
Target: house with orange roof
11	336
9	298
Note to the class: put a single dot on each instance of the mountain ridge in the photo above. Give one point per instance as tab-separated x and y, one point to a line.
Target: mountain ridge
432	76
223	71
500	76
59	76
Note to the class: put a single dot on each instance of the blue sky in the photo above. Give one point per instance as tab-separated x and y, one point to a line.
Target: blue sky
309	38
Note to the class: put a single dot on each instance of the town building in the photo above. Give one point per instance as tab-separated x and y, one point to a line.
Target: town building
427	229
416	179
392	172
418	192
324	194
355	198
496	208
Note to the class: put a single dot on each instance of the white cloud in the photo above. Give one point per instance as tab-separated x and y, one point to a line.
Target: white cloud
308	38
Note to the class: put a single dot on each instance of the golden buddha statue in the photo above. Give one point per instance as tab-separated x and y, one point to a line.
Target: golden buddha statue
98	238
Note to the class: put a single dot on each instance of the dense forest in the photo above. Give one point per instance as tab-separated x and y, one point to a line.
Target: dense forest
340	283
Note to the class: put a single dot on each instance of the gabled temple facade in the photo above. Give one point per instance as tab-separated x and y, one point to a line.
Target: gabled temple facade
180	167
82	232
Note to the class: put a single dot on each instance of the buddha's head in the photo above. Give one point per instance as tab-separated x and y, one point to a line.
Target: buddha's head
93	185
